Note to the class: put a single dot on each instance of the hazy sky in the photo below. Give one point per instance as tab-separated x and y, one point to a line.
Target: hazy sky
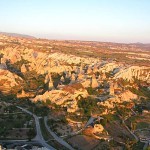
100	20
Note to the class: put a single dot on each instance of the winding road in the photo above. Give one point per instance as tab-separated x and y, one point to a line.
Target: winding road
39	136
57	138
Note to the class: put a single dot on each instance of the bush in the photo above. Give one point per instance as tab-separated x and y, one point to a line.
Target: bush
91	91
89	105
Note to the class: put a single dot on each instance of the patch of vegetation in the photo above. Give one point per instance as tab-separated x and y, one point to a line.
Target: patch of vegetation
141	125
110	118
45	133
92	91
7	98
142	91
19	63
40	109
48	137
56	78
10	121
33	81
31	134
89	105
138	146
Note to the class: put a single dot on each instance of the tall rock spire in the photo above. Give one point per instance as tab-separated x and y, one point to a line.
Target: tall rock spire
50	84
111	88
94	84
73	78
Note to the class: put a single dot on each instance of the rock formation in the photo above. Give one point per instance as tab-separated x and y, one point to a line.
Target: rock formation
111	88
61	97
23	68
94	83
86	83
134	72
62	79
89	71
109	67
98	128
48	79
3	66
8	80
95	69
50	84
126	96
73	78
81	77
103	76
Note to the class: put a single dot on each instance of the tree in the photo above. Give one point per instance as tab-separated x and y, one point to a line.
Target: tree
48	102
89	106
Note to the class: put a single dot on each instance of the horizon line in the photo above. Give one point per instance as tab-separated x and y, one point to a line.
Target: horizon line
65	39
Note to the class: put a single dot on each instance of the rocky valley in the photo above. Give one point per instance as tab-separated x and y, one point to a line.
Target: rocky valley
81	93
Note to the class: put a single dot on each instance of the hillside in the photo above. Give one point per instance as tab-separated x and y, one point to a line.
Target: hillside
84	91
17	35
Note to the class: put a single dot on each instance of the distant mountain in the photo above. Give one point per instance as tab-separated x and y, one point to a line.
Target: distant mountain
18	35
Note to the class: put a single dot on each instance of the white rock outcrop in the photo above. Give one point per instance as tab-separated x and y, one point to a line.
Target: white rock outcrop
134	72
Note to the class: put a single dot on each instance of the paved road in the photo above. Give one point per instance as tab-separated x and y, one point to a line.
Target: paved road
39	136
147	141
58	139
90	121
14	141
123	121
20	142
136	138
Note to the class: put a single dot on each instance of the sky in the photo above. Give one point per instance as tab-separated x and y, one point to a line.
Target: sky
125	21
